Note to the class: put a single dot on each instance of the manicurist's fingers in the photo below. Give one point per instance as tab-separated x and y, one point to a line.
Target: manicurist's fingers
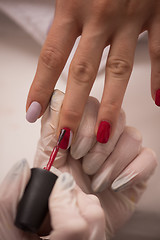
118	70
127	148
52	59
139	170
92	211
154	45
66	219
13	185
85	137
97	155
11	191
48	138
82	74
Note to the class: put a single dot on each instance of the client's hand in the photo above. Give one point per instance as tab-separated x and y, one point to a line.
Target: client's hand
110	178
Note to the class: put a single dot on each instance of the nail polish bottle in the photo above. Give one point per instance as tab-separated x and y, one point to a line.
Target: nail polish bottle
33	206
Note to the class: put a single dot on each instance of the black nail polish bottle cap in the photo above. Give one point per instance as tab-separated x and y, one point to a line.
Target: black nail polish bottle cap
33	205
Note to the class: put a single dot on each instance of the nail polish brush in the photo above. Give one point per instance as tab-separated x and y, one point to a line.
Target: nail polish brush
33	205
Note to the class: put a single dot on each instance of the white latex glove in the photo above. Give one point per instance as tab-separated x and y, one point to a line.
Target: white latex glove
11	190
110	177
62	206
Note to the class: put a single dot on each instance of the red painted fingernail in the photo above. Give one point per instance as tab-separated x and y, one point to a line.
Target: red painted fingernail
157	98
103	132
65	142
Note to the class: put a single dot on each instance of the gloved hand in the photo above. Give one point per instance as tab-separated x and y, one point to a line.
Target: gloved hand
62	206
110	178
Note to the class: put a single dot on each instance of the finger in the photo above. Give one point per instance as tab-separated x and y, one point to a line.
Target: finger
13	185
11	190
92	212
98	154
118	70
53	57
48	138
82	74
85	137
138	171
127	148
63	205
154	46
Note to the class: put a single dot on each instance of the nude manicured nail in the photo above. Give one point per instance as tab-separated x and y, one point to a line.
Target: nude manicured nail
123	181
66	140
157	98
33	112
103	132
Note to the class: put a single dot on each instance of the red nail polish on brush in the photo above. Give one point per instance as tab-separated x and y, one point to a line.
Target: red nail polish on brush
103	132
33	206
67	138
157	98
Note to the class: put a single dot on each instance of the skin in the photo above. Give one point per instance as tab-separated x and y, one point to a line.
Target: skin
77	210
136	165
117	23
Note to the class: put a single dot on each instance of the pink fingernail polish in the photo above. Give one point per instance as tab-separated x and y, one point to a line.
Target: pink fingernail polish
103	132
33	112
65	142
157	98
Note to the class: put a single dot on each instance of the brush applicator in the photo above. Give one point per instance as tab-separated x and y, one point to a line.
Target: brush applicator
33	206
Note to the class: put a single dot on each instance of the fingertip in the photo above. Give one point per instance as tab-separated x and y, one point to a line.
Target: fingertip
153	156
33	112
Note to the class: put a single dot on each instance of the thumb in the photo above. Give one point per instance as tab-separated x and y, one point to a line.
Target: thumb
13	185
48	138
63	206
11	190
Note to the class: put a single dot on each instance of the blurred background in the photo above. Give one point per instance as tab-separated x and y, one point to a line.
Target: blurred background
23	27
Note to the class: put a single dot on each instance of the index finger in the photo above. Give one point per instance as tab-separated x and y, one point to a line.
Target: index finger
53	57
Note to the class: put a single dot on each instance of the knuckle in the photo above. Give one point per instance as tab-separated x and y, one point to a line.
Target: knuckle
51	57
106	7
82	72
111	108
71	116
155	50
119	67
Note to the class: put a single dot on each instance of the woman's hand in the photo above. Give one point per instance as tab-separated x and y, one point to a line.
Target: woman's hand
110	178
117	23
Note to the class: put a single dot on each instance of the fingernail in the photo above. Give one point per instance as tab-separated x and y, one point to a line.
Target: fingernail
103	132
102	181
157	98
66	181
33	112
81	146
66	139
123	181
